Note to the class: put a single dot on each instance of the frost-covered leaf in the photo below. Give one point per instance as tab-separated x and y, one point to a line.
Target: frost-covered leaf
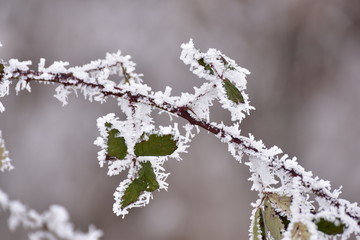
300	232
329	227
272	221
116	145
229	79
205	65
233	92
145	182
227	65
258	229
156	145
282	202
133	192
147	175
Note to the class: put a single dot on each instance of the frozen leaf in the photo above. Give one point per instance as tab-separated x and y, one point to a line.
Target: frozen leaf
232	92
282	202
147	175
272	221
116	145
258	229
226	63
156	145
206	66
300	232
329	227
132	192
145	182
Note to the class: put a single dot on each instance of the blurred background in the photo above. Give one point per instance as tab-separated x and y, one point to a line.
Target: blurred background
304	57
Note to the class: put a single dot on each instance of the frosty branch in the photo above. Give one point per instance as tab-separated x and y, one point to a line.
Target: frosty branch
287	193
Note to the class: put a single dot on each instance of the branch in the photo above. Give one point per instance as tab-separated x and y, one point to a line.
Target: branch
187	114
226	84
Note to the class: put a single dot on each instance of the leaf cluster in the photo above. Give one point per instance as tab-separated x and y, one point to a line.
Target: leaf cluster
271	220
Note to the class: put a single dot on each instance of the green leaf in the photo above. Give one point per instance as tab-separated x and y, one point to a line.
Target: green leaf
282	202
147	175
207	67
329	227
156	145
116	145
272	221
145	182
300	232
132	192
232	92
258	228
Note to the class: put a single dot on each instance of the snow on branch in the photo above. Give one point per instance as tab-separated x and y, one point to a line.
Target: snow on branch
292	204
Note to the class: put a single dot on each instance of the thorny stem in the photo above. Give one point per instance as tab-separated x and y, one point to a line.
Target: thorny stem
186	113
